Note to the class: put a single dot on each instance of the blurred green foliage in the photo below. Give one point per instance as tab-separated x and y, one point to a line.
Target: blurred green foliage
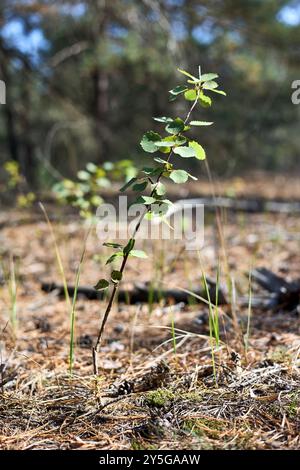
84	193
80	75
13	186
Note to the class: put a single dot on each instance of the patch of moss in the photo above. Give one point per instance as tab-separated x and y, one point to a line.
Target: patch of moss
160	397
140	445
193	396
165	396
293	406
280	355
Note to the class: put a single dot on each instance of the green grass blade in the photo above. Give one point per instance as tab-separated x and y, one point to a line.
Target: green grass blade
73	308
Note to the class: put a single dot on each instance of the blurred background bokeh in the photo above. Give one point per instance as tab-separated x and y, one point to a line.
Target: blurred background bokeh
84	78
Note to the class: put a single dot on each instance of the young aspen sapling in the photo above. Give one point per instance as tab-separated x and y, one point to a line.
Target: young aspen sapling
176	142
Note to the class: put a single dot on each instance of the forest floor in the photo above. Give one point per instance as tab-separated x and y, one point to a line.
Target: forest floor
157	387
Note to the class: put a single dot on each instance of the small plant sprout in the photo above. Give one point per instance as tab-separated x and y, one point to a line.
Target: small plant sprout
166	151
247	335
71	303
12	288
73	307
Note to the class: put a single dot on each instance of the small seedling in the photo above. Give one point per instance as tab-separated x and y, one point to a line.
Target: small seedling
173	145
12	287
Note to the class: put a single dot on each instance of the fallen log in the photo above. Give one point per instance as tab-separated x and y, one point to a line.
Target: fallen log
248	205
251	205
141	293
284	294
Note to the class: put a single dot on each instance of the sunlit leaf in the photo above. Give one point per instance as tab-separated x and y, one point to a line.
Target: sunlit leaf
91	167
200	123
138	254
220	92
163	119
164	143
211	85
160	189
207	77
185	152
179	176
190	95
83	175
148	200
199	150
171	141
175	126
187	74
148	141
205	101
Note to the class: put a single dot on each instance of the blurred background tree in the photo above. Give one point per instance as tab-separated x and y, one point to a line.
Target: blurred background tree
74	69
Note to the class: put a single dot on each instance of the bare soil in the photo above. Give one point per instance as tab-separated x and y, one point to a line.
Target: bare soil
152	392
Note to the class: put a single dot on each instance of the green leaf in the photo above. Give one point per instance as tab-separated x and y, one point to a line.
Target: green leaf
175	140
207	77
205	101
140	186
185	152
91	167
151	171
210	85
179	140
175	127
190	95
116	276
112	245
199	150
108	166
200	123
96	200
167	202
148	200
138	254
179	176
129	246
163	119
102	284
128	184
165	143
148	141
103	182
178	90
187	74
114	256
160	189
220	92
83	175
160	160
